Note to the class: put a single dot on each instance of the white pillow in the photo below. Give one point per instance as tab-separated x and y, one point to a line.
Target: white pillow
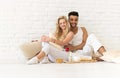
111	56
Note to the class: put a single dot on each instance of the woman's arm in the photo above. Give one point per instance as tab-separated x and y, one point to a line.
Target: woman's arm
67	39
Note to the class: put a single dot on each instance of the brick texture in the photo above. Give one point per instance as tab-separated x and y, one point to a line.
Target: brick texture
24	20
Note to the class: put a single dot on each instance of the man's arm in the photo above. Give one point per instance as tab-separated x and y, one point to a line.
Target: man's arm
80	46
85	35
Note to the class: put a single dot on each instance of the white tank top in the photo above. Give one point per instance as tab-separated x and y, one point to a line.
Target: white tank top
78	37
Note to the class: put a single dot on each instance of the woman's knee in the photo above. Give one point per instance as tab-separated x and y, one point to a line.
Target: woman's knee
47	48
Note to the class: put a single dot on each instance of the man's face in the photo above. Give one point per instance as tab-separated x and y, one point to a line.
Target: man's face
73	20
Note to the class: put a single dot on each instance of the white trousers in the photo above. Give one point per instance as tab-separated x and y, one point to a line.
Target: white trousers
92	45
53	52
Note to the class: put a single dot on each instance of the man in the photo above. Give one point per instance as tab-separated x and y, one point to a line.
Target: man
81	41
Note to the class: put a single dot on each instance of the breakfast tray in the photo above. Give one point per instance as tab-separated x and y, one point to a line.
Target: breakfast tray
83	61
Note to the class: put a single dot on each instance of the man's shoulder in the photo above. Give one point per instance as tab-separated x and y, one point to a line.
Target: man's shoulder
82	27
71	32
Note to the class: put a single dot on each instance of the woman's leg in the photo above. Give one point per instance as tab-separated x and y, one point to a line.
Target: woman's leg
41	55
56	53
51	51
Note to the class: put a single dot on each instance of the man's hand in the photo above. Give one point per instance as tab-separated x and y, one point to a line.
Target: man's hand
71	47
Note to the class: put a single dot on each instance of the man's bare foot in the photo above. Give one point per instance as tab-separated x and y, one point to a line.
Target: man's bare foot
100	53
99	59
101	50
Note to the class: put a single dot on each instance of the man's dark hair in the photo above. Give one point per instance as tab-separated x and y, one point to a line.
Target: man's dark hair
74	13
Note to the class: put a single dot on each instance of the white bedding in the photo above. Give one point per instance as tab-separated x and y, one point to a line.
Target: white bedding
78	70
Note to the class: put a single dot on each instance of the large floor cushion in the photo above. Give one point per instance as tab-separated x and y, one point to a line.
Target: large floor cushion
30	49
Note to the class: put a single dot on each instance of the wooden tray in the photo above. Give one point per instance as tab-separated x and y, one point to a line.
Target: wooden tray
84	61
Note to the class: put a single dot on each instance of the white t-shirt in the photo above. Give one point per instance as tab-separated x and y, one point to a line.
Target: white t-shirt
78	37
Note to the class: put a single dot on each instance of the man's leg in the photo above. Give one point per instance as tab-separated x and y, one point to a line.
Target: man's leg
97	46
101	50
55	53
87	50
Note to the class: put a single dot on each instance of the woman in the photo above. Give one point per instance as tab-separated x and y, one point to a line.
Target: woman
62	37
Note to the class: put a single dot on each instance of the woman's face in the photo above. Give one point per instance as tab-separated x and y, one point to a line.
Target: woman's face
63	24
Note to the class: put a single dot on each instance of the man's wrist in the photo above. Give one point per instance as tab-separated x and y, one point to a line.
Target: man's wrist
75	48
54	40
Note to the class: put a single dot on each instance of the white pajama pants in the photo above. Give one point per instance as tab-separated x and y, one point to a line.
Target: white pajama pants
53	52
92	45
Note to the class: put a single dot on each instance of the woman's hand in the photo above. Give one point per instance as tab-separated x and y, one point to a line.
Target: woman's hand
34	41
45	38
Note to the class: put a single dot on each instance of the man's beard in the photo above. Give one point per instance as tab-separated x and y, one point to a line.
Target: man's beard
73	26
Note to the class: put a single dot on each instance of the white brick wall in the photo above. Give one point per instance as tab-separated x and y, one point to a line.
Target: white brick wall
24	20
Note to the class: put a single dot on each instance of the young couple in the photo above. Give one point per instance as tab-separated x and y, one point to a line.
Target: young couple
73	37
